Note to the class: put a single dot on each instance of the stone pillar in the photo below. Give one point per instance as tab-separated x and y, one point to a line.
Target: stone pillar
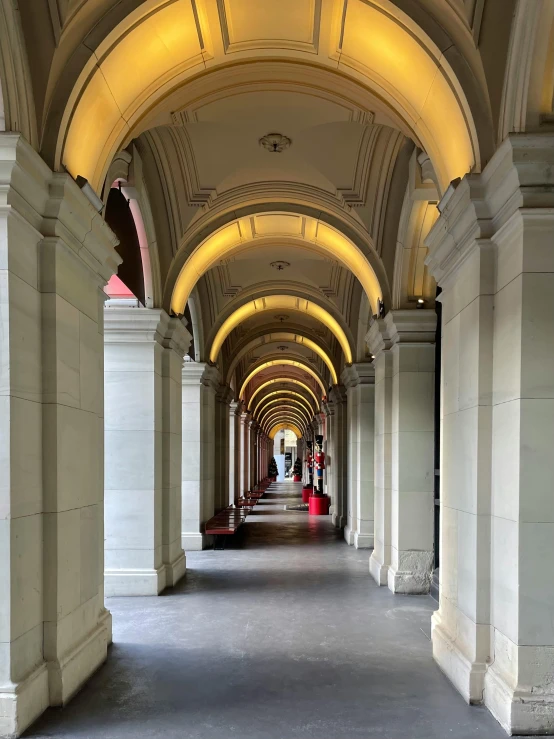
200	384
144	351
412	334
379	344
245	451
234	451
253	453
56	254
491	251
359	380
221	438
339	456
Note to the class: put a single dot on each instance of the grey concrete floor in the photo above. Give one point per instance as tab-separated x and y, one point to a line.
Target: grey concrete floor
283	636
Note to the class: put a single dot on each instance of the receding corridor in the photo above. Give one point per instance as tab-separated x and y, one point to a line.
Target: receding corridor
283	635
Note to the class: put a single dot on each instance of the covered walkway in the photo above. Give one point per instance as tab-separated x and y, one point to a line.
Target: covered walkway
283	635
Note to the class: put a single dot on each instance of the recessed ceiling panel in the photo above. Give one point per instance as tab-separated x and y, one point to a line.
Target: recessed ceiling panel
285	24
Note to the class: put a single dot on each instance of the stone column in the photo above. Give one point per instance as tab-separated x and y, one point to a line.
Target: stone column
222	456
253	453
245	451
200	384
379	344
359	380
491	251
234	451
56	254
412	334
143	351
339	455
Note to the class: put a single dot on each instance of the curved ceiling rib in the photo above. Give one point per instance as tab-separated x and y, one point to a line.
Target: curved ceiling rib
297	337
285	417
318	236
275	303
281	394
283	401
280	426
284	410
301	364
286	380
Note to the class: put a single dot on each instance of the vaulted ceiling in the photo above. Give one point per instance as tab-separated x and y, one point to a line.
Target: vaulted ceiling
277	120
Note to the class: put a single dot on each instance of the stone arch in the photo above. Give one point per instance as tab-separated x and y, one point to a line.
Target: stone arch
528	94
409	91
293	297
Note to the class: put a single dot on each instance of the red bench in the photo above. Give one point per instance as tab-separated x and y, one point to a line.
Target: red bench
225	523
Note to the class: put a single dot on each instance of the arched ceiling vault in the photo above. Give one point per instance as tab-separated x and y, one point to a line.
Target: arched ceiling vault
295	304
281	365
279	426
289	411
289	382
283	403
282	415
266	343
154	50
283	395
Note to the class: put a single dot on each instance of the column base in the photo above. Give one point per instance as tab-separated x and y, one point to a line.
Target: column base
195	541
522	710
337	521
378	570
412	574
349	535
363	541
67	674
134	582
466	676
176	570
22	703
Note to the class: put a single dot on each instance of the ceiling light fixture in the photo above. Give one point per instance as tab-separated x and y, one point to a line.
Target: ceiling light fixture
275	142
280	266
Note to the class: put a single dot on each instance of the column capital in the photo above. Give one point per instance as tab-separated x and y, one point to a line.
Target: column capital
192	372
211	377
411	326
378	337
361	373
127	323
225	394
473	209
337	394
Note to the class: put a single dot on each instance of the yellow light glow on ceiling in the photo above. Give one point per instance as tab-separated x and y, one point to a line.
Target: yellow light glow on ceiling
284	418
280	363
318	235
299	339
152	52
277	303
284	401
284	394
287	380
291	410
280	426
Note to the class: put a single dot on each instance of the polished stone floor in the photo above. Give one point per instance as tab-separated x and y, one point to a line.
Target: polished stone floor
284	636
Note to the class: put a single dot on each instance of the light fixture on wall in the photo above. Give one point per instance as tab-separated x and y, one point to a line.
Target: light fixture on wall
281	317
420	303
282	348
89	193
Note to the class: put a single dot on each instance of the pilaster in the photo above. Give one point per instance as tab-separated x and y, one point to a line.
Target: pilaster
412	334
379	343
144	351
359	381
491	251
339	455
